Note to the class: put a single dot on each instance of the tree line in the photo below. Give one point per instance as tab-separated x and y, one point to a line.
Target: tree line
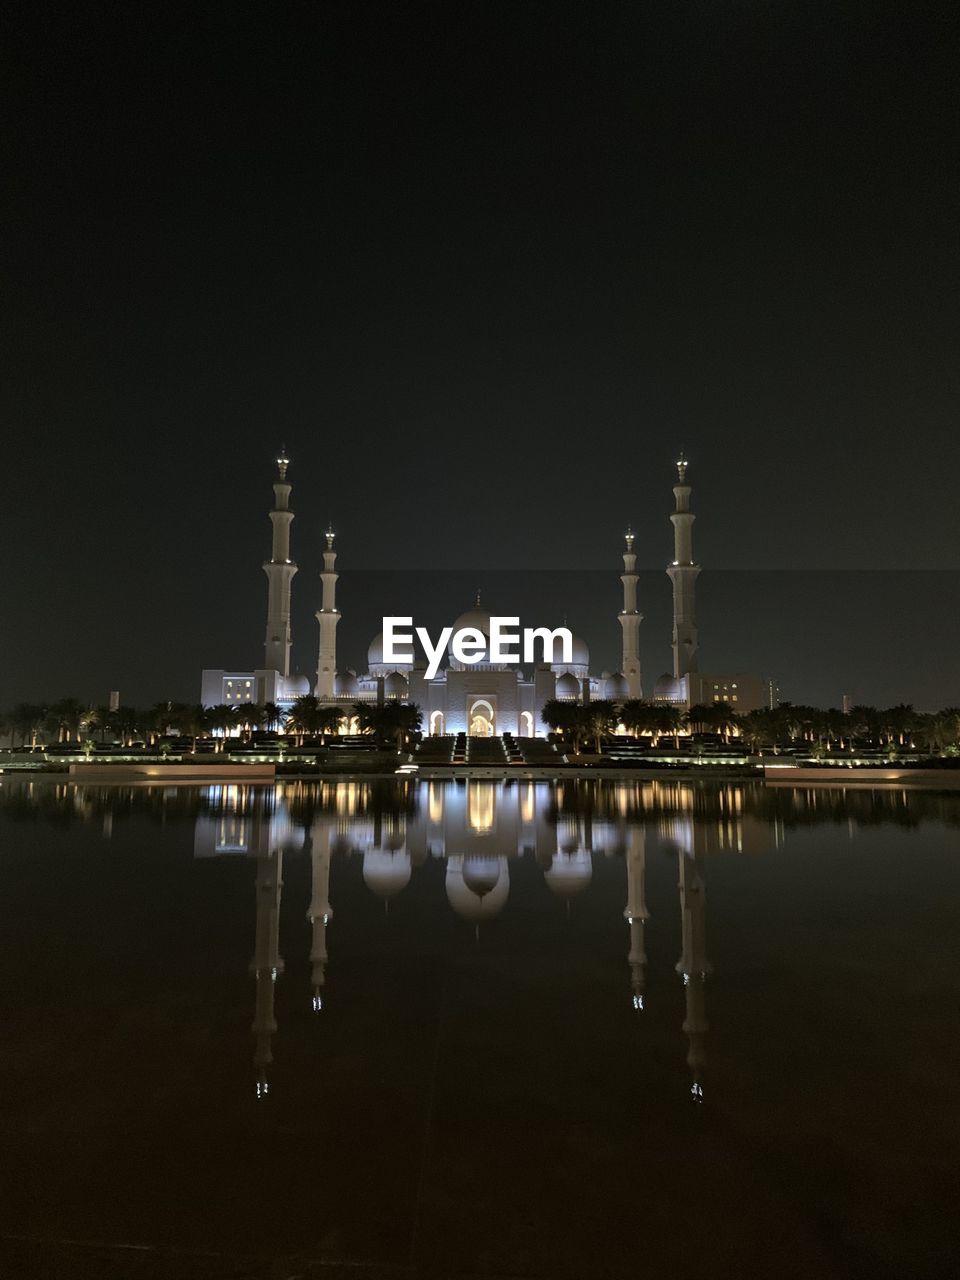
71	721
886	729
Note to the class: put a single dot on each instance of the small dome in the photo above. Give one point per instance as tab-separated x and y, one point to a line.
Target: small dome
569	873
617	688
395	684
567	686
669	689
294	686
375	656
346	683
385	874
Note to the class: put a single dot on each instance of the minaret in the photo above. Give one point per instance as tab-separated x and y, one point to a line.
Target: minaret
693	963
328	615
266	964
636	912
630	619
683	574
319	912
279	570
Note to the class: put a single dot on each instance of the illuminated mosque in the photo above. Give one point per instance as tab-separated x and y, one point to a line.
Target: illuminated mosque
483	698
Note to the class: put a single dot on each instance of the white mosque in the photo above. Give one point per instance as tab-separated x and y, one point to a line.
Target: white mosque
482	698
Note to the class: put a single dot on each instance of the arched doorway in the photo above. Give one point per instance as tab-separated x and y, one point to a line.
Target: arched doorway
482	720
526	724
436	723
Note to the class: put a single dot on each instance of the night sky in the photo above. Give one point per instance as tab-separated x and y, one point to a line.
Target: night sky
485	269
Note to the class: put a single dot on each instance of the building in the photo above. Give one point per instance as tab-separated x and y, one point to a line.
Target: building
482	698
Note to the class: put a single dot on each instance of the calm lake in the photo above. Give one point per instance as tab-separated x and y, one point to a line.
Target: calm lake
400	1029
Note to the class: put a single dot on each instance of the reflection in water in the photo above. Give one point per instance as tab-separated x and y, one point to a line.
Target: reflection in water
489	837
478	830
267	963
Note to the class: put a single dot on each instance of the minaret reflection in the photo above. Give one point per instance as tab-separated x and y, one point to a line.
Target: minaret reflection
636	912
319	913
267	963
693	964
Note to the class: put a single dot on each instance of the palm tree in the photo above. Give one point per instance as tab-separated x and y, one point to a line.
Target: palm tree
304	717
669	719
700	717
864	721
190	720
26	719
66	717
158	720
724	718
598	718
637	716
758	729
328	720
272	716
221	719
560	716
367	717
401	719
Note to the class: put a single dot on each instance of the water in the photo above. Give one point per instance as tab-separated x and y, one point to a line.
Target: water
402	1030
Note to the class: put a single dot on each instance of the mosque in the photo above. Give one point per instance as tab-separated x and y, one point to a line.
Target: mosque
482	698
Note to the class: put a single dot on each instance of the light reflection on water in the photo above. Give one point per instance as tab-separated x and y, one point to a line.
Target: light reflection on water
478	830
355	1019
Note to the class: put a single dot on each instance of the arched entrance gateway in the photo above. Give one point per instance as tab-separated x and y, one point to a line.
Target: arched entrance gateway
481	719
526	724
436	723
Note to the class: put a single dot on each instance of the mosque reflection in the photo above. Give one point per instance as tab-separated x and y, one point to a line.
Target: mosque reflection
479	829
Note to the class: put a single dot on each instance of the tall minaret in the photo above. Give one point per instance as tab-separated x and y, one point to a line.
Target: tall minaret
266	964
683	574
630	619
328	615
279	570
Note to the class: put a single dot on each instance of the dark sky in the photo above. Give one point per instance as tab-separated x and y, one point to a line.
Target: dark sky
484	268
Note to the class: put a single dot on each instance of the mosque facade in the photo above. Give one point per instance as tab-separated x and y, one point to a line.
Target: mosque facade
481	698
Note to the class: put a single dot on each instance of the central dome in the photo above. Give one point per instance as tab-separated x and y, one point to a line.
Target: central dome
479	620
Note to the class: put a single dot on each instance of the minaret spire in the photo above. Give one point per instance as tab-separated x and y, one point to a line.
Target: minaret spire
683	574
280	570
630	618
328	615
